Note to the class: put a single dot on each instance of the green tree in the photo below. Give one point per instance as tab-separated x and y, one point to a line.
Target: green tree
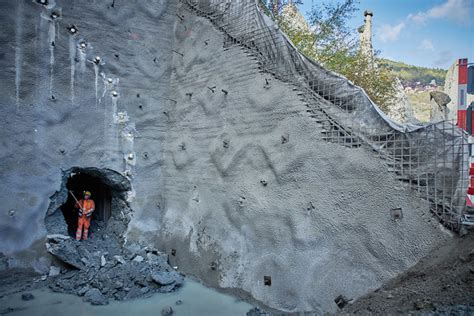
293	24
377	81
327	38
333	39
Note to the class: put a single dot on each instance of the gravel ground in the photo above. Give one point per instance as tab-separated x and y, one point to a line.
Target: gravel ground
441	283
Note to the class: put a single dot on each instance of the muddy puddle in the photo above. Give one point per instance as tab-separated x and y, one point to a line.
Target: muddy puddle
192	298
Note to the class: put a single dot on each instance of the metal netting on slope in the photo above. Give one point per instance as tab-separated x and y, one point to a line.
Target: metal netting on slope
432	158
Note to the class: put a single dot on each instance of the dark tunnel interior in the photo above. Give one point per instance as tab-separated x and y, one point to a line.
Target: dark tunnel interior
101	194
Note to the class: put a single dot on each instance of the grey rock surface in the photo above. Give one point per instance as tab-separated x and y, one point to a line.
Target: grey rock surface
127	279
27	296
66	251
441	98
193	125
257	312
95	297
54	271
400	109
439	109
167	278
167	311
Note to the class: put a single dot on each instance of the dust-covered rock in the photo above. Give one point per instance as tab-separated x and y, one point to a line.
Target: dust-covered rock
27	296
82	291
95	297
54	271
167	278
441	98
256	311
119	259
66	251
423	304
168	310
127	276
3	262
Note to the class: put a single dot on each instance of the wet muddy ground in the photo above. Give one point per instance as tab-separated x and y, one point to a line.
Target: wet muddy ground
191	299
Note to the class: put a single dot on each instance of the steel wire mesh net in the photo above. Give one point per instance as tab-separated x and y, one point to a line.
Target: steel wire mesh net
431	158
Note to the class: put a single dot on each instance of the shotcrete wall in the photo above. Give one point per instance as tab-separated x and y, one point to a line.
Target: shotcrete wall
252	190
226	165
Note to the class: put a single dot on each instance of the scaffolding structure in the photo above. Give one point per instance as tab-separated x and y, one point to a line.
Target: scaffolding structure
431	158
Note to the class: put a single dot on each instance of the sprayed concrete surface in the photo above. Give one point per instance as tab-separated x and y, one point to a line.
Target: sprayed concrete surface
225	165
312	215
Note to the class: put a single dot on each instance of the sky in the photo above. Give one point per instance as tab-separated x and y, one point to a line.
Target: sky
428	33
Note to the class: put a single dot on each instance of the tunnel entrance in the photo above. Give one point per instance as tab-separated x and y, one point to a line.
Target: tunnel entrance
109	191
101	195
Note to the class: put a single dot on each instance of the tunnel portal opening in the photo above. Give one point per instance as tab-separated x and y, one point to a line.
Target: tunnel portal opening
109	191
101	195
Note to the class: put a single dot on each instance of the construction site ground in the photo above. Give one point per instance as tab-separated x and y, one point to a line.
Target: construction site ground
442	282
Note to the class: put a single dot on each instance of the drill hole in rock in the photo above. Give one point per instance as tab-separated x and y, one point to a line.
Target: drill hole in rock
341	301
109	190
267	280
396	213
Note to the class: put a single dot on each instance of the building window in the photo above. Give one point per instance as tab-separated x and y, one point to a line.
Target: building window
461	97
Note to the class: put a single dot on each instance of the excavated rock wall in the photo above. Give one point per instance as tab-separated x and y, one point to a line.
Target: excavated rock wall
451	88
59	109
227	167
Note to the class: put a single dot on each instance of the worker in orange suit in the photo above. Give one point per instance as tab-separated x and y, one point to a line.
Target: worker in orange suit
86	206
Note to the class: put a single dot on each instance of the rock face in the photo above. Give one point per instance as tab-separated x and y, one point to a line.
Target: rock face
48	91
365	35
167	278
400	109
95	297
67	251
451	88
439	109
291	15
441	99
223	159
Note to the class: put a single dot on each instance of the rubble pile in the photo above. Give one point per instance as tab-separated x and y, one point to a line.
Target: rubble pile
109	271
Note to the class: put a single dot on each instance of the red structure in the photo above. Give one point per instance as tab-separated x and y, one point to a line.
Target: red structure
466	123
462	93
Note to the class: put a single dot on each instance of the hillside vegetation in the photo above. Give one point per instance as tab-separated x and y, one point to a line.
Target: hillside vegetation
412	74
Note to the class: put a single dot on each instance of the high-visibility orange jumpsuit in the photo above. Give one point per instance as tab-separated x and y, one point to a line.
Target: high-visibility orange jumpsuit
87	206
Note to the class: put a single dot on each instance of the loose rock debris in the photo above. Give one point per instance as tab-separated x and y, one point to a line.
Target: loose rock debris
111	272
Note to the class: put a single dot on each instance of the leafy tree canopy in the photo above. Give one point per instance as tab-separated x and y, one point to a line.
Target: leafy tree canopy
327	38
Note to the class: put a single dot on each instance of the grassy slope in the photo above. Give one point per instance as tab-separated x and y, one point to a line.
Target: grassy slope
420	100
410	73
